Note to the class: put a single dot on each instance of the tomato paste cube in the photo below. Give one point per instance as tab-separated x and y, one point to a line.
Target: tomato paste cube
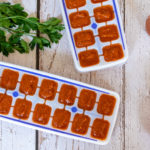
100	129
104	13
108	33
98	1
61	119
89	58
87	99
84	38
113	52
67	94
28	84
9	79
48	89
5	103
41	114
106	104
71	4
79	19
22	109
80	124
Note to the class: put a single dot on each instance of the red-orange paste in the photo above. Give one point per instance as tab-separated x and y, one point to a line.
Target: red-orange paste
71	4
22	109
108	33
61	119
87	99
98	1
100	129
67	94
84	38
41	114
9	79
28	84
5	103
106	104
79	19
80	124
104	13
113	52
89	58
48	89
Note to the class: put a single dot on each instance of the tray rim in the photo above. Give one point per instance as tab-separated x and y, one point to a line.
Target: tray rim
57	131
72	45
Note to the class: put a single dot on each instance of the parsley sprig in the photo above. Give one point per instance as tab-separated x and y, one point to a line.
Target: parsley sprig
15	21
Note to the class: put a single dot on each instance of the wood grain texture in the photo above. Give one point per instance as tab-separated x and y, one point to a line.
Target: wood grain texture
54	61
14	137
137	112
132	82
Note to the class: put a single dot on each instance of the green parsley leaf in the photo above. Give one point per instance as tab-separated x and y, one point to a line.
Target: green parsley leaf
40	41
25	46
15	20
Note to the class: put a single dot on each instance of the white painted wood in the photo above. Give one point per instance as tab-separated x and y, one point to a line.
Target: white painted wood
133	84
14	137
137	103
58	60
28	60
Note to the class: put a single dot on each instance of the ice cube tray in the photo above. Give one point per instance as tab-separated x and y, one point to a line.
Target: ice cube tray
56	104
95	33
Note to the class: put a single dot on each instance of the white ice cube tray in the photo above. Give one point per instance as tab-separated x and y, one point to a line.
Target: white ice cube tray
73	109
94	26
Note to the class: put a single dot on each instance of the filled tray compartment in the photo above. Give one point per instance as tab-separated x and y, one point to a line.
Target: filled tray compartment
56	104
95	33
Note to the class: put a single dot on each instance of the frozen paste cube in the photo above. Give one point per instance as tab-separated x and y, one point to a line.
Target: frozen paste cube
108	33
87	99
28	84
79	19
100	129
104	13
5	104
22	109
80	124
9	79
61	119
98	1
113	52
84	38
48	89
89	58
41	114
67	94
71	4
106	104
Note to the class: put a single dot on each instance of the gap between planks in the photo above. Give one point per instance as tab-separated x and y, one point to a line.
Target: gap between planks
37	67
123	79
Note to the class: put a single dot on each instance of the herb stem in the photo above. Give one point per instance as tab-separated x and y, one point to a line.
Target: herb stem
14	31
18	17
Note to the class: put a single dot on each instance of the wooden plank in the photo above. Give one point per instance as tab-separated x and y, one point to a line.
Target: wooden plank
58	60
137	112
14	137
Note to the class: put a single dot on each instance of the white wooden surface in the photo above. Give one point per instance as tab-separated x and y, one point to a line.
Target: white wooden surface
14	137
137	77
132	82
57	64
